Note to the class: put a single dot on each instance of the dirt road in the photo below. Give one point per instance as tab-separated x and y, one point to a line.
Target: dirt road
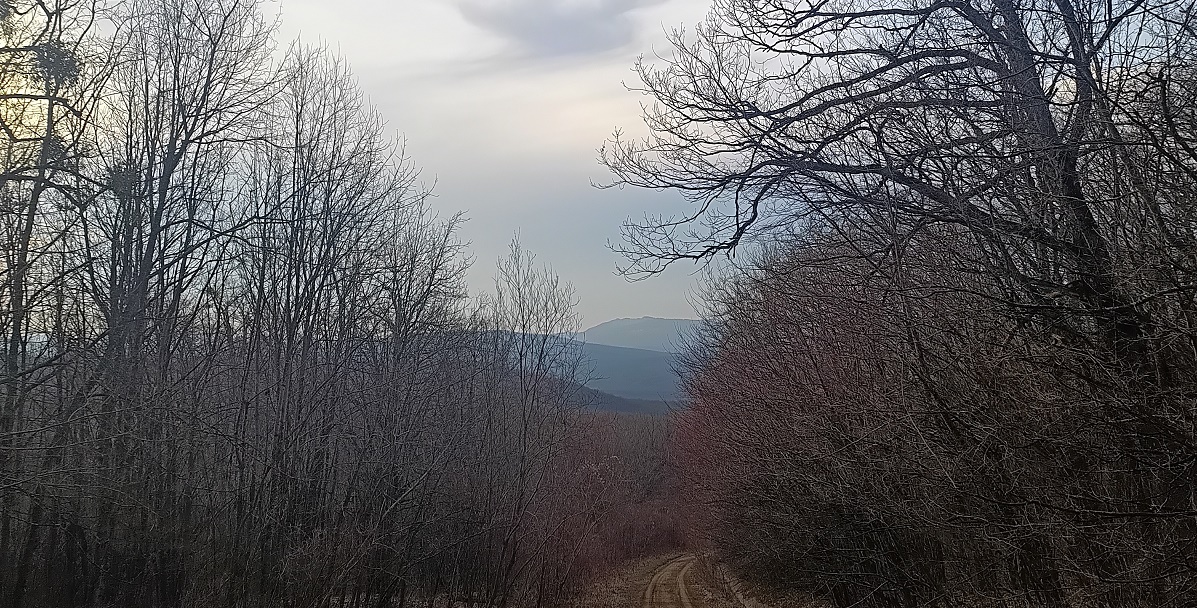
668	587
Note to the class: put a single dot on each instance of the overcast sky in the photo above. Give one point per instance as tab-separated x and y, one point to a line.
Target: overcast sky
504	104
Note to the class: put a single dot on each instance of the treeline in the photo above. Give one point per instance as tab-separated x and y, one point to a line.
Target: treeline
240	366
955	363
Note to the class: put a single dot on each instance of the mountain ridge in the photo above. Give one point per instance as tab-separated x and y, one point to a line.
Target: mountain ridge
644	333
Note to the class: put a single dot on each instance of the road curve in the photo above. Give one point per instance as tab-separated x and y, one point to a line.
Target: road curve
668	586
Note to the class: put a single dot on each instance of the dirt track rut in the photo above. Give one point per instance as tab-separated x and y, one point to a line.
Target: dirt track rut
668	587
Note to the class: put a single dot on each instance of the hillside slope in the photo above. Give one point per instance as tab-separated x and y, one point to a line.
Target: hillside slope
599	401
632	373
645	333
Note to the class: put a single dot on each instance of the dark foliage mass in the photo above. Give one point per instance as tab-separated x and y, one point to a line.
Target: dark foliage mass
955	362
239	366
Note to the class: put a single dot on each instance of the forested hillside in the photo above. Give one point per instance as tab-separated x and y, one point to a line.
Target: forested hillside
632	373
954	361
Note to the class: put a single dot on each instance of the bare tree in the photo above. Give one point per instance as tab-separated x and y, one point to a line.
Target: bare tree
52	72
1007	121
985	217
239	362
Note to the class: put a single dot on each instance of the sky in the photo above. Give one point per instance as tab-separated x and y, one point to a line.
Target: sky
503	105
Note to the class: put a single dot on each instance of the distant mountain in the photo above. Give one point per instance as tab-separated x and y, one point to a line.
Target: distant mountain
646	333
632	373
599	401
622	379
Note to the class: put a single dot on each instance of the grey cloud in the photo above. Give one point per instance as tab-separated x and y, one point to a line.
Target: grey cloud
556	28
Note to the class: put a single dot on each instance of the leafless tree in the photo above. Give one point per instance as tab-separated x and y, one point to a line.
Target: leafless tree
240	365
984	211
52	71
